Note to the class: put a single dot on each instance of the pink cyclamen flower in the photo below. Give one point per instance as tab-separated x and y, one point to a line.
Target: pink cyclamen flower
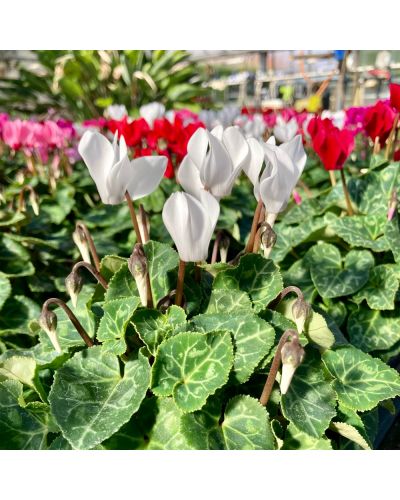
296	197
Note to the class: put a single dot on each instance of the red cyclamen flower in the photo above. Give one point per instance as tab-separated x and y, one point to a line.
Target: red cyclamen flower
378	121
395	96
331	144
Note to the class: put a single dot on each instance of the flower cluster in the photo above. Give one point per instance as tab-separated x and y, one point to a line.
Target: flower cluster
39	138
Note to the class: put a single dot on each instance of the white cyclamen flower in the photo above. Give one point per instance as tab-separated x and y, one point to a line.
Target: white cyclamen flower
285	131
191	223
283	166
152	111
213	162
116	111
114	174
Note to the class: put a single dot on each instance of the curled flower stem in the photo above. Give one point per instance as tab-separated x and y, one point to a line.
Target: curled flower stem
74	320
134	218
80	226
275	303
179	286
266	393
93	271
350	210
254	226
143	216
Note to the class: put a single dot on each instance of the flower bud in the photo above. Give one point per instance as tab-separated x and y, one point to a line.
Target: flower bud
73	284
392	205
300	309
292	355
48	322
137	264
223	247
80	241
268	237
34	200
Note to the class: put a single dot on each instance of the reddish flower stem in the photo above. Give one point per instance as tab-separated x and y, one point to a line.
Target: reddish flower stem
179	286
82	227
133	217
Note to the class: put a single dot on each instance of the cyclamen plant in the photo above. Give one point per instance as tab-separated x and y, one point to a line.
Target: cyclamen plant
222	356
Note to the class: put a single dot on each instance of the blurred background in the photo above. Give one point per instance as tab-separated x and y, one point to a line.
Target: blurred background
82	84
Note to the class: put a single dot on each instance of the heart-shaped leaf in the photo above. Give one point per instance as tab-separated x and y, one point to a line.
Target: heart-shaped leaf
335	278
113	325
153	326
252	338
191	367
297	440
361	381
310	401
90	398
374	330
244	426
362	231
162	261
225	300
257	276
380	291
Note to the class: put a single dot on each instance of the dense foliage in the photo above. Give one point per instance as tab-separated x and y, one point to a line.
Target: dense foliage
191	376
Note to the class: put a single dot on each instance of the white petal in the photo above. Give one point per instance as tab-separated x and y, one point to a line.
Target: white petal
236	145
218	132
217	168
189	177
212	208
197	147
123	150
145	175
117	182
252	167
98	155
188	224
286	377
271	141
295	150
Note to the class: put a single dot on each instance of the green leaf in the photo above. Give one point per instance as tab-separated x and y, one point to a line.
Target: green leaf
121	285
22	368
244	426
252	338
257	276
349	425
17	311
374	330
393	236
362	231
162	260
297	440
22	426
153	326
113	325
90	398
227	301
310	401
156	426
14	259
5	289
334	278
361	381
191	367
380	291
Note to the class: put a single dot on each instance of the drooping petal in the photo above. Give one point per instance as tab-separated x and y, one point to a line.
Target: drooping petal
123	150
211	206
98	155
145	175
189	177
236	145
